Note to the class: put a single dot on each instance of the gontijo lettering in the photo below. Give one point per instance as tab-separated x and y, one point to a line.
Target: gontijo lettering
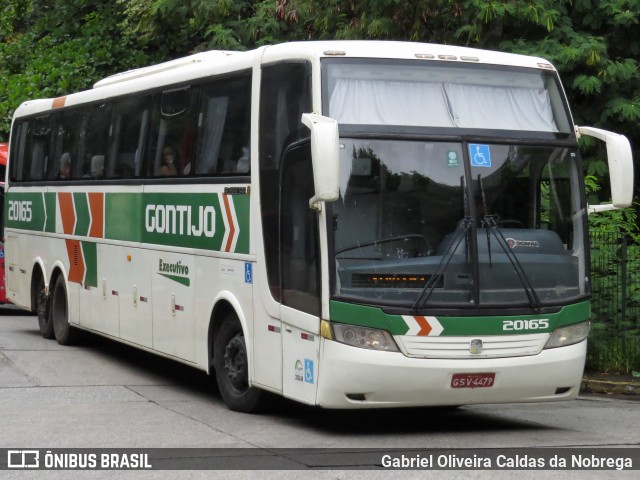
180	220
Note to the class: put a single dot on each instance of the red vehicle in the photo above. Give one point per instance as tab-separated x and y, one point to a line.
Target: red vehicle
3	166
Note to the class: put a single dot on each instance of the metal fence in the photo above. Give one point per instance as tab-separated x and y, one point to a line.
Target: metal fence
615	275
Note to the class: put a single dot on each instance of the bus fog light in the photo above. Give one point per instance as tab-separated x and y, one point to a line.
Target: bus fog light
568	335
363	337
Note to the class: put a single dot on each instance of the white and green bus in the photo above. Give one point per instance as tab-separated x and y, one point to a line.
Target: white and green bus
347	224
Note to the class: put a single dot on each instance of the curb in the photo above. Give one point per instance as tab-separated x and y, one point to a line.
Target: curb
595	385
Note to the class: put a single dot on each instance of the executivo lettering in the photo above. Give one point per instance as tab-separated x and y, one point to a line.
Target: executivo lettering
181	220
177	267
175	271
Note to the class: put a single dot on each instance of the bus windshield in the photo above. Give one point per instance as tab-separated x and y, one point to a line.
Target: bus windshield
433	223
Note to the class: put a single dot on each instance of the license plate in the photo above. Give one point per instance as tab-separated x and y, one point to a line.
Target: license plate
472	380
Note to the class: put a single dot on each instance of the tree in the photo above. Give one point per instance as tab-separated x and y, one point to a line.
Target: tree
50	48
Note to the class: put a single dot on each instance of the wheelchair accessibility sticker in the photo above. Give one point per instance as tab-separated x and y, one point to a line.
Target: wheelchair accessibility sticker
308	370
304	373
480	155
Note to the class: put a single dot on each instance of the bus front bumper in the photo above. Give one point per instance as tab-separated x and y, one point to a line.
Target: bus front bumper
358	378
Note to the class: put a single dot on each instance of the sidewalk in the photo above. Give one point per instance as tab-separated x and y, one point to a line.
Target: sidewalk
593	382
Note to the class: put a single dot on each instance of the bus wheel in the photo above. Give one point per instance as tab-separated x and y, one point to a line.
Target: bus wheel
42	310
232	368
65	333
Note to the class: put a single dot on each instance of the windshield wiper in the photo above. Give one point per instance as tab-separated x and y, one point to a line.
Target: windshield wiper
492	226
461	231
426	292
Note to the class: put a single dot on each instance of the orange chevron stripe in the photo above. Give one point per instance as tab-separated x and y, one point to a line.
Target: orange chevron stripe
96	207
76	262
425	327
232	227
67	211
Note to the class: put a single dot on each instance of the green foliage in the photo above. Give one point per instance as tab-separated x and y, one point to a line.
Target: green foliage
613	353
614	343
587	84
43	54
620	221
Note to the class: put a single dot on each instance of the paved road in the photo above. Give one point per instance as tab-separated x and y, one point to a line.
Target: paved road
102	394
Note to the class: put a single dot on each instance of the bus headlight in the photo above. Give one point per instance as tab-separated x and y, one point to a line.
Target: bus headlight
568	335
363	337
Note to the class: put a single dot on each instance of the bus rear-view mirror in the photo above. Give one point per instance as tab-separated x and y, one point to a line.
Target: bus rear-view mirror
620	162
325	154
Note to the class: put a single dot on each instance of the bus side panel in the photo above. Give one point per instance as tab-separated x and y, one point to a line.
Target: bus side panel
173	295
3	291
134	287
105	309
267	339
16	290
23	251
219	279
301	355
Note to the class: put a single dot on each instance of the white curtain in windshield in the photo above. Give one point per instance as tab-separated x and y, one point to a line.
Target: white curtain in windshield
502	108
379	102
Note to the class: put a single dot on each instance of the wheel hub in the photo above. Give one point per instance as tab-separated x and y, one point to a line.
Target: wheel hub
235	364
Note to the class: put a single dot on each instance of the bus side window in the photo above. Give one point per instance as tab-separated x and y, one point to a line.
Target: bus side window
64	164
128	133
19	163
299	241
224	120
284	97
94	140
173	127
39	154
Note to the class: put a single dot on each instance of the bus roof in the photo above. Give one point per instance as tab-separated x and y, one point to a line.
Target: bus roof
217	62
399	50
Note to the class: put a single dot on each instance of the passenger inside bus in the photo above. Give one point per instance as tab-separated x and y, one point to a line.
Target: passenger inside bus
97	166
231	162
65	167
169	162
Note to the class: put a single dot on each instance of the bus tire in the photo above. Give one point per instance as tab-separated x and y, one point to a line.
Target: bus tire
65	334
232	368
41	305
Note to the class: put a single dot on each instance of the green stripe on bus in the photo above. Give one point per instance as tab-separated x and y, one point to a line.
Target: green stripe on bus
374	317
123	216
241	203
83	218
190	220
50	209
367	317
177	278
89	250
26	211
